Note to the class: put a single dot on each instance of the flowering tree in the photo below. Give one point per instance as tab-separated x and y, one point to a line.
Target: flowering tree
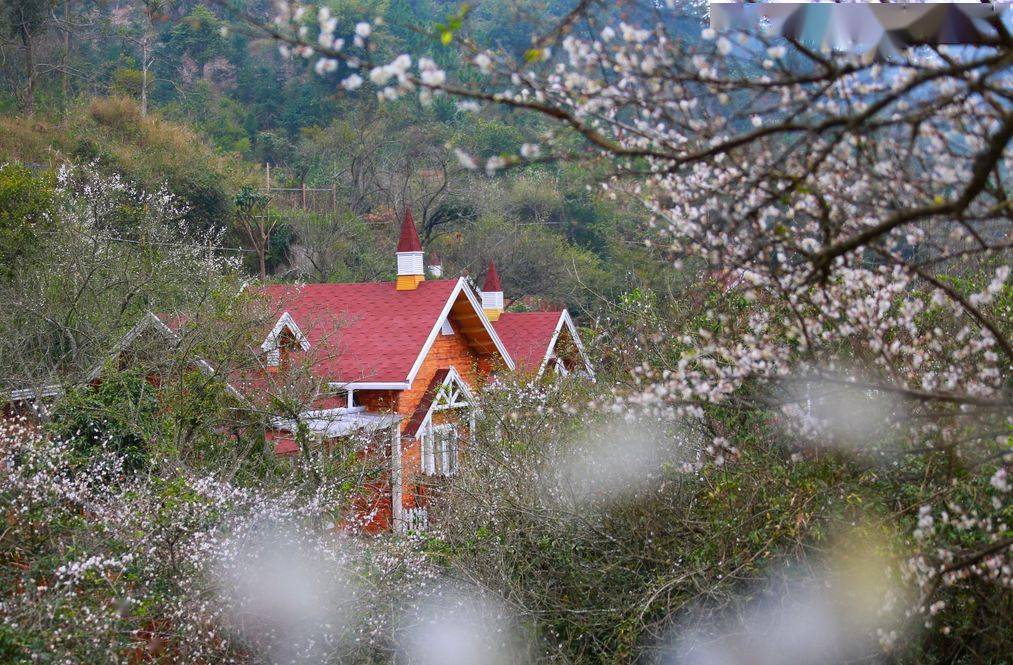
858	207
107	253
102	565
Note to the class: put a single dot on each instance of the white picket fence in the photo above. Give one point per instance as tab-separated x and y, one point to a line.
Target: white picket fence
416	519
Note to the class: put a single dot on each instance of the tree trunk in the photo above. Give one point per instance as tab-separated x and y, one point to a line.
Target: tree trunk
29	44
65	77
262	257
144	75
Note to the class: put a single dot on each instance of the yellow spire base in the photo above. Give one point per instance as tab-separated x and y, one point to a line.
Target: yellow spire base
409	282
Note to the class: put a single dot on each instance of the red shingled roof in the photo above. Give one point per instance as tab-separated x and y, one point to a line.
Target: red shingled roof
284	442
492	279
526	336
409	241
367	332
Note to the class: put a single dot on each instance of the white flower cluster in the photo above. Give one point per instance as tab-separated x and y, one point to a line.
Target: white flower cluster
201	554
993	288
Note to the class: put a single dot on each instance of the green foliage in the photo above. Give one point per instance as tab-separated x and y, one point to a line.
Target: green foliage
23	17
338	248
487	136
598	580
127	81
279	245
453	23
120	414
27	208
149	152
196	36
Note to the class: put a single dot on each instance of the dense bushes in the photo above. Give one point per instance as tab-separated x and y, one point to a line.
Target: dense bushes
114	415
173	565
617	532
27	210
602	531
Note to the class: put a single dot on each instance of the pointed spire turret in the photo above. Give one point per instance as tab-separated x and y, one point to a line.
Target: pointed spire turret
492	293
409	241
435	264
410	270
492	278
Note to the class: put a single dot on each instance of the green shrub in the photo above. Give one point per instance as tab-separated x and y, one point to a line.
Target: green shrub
26	214
120	413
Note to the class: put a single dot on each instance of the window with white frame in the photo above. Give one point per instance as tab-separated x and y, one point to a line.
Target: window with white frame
440	449
441	440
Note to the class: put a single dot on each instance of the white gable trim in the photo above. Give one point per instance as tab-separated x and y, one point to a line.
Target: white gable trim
285	322
473	299
452	378
564	319
149	320
462	287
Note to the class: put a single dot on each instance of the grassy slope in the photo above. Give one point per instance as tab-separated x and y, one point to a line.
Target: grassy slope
111	132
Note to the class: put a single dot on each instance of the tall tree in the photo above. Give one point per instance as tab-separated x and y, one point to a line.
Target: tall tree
854	196
255	219
143	36
27	21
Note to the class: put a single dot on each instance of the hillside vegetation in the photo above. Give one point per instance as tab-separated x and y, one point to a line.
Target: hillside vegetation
790	266
111	135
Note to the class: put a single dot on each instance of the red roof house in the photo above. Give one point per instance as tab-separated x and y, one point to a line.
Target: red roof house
400	361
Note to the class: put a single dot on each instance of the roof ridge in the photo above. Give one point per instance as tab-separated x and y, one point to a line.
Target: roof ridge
377	282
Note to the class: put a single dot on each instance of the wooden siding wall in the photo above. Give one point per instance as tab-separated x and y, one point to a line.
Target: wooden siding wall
446	351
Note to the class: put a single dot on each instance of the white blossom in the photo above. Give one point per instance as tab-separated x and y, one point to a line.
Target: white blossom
483	62
352	82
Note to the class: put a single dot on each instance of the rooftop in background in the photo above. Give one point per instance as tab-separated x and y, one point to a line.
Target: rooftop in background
527	336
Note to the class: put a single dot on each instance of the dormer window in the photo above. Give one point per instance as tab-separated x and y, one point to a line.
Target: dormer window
283	338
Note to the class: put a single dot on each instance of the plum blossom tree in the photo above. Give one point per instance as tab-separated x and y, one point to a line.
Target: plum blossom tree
858	203
101	565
